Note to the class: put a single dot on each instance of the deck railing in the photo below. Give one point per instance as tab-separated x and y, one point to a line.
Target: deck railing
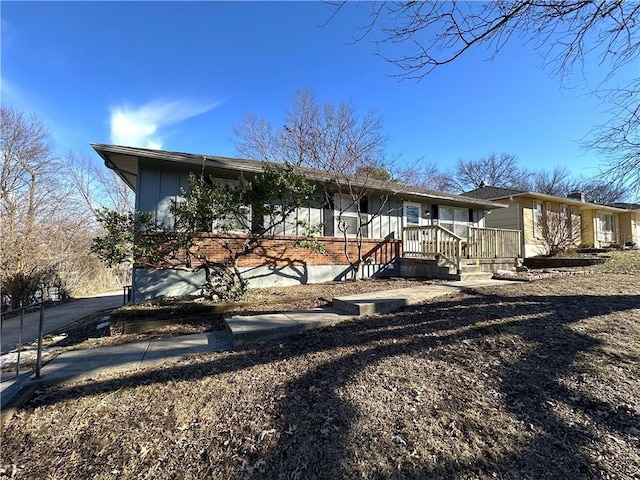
434	241
493	243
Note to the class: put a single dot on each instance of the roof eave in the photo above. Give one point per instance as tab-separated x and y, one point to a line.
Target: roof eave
106	152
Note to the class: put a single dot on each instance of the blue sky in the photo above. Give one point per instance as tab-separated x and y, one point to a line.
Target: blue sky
179	76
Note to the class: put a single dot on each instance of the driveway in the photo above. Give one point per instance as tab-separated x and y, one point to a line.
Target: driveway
55	317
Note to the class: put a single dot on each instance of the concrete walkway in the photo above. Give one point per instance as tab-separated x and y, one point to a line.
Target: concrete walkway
241	330
78	365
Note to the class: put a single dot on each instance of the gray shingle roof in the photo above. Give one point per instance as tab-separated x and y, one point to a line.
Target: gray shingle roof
123	160
488	193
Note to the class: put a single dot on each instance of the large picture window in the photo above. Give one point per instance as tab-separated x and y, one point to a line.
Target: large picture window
606	227
455	220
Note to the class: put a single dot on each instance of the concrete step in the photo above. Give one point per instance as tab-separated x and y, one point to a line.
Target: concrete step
392	300
472	276
247	329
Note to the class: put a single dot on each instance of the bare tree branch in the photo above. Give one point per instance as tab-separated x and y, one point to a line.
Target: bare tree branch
569	34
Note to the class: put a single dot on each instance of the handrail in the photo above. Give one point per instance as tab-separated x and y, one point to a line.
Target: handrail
433	241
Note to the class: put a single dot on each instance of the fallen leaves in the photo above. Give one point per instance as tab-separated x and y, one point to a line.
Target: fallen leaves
496	384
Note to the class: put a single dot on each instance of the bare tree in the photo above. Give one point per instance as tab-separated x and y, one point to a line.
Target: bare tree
495	170
559	229
598	190
617	140
47	227
568	34
31	198
96	187
348	148
552	182
424	175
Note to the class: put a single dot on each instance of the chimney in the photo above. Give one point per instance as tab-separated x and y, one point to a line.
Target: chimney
577	196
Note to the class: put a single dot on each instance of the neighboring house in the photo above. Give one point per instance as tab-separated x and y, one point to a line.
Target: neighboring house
414	222
599	225
630	223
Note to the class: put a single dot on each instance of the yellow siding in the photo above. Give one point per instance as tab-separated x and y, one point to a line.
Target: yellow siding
588	227
629	222
507	218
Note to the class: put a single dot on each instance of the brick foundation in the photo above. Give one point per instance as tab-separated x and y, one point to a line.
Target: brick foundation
281	250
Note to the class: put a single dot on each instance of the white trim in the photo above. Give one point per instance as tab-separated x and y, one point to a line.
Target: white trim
538	216
405	221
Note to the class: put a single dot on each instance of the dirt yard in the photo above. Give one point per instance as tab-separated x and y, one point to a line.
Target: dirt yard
532	380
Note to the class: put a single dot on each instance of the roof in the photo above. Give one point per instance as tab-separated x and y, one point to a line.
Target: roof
626	206
124	161
488	193
498	193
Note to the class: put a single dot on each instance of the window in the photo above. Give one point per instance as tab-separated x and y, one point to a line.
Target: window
605	225
606	222
346	215
537	219
455	220
233	223
238	220
275	224
411	214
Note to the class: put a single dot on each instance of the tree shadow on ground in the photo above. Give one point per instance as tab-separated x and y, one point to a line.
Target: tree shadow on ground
319	422
530	389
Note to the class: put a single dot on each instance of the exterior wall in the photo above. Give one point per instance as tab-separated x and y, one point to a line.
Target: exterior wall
389	223
588	227
628	227
520	215
280	263
507	218
635	228
156	190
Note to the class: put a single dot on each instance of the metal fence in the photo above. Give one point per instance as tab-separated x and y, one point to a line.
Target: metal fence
21	311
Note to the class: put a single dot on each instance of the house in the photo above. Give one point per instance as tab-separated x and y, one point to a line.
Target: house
591	224
630	223
414	232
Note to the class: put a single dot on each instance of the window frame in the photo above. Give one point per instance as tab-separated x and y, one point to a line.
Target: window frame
339	215
454	222
405	217
538	214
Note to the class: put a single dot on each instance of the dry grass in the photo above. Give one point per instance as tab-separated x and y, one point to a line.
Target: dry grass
527	381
